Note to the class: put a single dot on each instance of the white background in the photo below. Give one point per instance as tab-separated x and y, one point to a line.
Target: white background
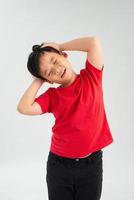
25	140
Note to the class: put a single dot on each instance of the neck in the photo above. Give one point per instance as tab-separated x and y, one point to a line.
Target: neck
70	81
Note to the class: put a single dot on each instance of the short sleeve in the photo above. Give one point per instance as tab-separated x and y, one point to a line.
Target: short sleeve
93	72
44	100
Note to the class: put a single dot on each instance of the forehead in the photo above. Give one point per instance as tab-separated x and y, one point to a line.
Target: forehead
46	57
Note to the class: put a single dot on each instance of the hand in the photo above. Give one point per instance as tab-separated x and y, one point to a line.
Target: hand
52	44
38	79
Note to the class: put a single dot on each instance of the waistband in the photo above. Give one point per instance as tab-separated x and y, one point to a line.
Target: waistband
91	156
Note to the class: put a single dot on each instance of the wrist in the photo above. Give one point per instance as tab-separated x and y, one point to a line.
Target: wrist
38	81
61	47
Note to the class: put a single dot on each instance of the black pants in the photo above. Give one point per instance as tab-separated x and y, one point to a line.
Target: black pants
75	179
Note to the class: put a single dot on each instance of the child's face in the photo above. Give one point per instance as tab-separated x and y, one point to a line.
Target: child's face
52	67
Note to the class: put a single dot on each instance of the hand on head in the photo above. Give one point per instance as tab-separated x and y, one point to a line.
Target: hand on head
52	44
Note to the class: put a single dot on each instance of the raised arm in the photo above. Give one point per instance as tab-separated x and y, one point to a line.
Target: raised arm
91	45
26	105
79	44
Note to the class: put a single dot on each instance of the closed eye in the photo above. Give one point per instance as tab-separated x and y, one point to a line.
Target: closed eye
55	62
49	74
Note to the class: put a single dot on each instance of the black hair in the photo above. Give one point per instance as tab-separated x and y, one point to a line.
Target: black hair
33	59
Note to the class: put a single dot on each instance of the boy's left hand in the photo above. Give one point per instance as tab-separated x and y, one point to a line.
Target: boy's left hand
52	44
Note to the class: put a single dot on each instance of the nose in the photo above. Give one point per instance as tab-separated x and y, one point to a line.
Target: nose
58	71
55	71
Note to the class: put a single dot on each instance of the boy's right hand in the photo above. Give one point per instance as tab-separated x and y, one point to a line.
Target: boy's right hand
40	80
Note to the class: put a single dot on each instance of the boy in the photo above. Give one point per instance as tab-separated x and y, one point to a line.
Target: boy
81	130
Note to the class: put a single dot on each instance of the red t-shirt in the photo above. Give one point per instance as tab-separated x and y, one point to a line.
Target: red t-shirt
81	125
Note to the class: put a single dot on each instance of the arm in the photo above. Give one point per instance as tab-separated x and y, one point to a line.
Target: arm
91	45
79	44
26	104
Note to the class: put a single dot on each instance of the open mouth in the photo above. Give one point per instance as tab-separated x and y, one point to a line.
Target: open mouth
63	73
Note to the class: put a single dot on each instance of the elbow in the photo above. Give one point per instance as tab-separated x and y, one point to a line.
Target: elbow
21	110
96	41
95	38
24	110
93	43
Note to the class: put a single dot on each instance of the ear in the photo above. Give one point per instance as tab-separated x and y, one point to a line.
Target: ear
64	54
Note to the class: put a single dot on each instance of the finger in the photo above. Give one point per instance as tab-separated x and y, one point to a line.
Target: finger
46	44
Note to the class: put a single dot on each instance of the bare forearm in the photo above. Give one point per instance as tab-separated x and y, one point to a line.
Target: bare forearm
30	94
79	44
